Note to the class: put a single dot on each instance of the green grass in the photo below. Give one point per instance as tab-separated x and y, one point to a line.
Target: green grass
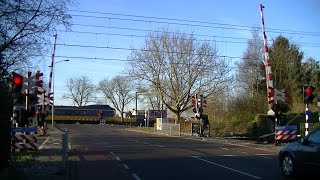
18	160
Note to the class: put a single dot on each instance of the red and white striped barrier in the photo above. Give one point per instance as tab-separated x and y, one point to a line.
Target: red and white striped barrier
286	133
25	146
21	137
22	141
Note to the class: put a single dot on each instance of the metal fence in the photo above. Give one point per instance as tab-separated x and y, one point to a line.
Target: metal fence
168	129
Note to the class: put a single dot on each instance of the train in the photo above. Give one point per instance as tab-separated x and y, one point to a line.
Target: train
90	110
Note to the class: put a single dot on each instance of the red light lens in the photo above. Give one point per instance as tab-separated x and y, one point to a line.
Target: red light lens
309	91
17	80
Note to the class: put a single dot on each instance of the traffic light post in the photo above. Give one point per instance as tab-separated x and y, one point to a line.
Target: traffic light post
17	86
31	84
308	98
198	103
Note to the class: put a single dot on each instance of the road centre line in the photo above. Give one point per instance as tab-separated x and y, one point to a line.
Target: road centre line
226	167
112	153
117	158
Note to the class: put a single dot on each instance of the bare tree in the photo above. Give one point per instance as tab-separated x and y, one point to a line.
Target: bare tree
118	92
148	99
175	66
251	68
81	90
24	29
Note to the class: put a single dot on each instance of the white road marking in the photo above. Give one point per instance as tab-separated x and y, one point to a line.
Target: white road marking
117	158
136	177
264	154
125	166
160	146
241	145
44	143
133	140
266	157
146	143
112	153
225	148
244	152
228	155
226	167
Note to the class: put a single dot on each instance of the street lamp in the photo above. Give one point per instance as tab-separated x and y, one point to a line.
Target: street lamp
53	68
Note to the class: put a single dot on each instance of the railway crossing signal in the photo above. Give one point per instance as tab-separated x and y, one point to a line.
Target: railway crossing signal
308	94
17	83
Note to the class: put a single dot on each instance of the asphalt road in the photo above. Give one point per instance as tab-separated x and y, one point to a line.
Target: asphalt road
111	152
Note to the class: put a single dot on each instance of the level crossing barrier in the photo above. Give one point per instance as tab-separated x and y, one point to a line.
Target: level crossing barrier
286	133
24	138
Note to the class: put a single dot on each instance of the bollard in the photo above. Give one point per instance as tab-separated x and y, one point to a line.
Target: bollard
64	149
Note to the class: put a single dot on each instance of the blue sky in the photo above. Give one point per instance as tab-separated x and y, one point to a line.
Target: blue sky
228	20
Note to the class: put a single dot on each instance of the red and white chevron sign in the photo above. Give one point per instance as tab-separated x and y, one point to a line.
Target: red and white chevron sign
286	133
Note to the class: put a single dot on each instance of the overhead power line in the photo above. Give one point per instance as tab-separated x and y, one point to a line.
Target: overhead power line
136	49
212	36
186	22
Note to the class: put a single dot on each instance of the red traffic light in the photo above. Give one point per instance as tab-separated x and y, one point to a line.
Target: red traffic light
17	83
17	79
309	90
308	94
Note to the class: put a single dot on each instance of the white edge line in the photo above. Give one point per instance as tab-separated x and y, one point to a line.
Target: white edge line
264	154
216	164
44	143
136	177
266	157
244	152
241	145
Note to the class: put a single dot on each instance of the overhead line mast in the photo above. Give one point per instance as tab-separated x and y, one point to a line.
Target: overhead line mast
267	63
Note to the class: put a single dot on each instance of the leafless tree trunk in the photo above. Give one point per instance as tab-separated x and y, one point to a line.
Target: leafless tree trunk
176	66
118	91
81	90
